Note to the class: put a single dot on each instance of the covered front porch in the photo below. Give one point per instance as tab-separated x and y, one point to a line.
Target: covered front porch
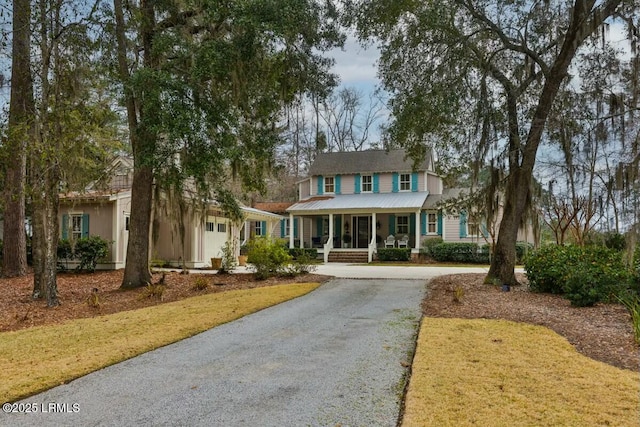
361	222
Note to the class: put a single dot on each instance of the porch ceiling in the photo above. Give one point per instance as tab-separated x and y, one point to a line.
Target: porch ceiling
364	202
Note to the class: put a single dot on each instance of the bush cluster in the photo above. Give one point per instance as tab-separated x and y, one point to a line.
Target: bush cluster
267	257
584	275
270	257
426	247
86	250
394	254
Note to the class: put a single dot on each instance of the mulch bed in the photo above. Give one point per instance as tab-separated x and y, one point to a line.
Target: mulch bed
18	310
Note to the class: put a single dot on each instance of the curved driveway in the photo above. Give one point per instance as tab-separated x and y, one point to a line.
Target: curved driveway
336	356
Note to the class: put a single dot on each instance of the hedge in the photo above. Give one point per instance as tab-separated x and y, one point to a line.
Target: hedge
460	252
394	254
312	253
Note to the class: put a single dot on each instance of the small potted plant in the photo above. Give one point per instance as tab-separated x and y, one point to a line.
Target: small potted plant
346	240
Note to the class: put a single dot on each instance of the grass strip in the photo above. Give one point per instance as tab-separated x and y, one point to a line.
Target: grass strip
492	372
35	359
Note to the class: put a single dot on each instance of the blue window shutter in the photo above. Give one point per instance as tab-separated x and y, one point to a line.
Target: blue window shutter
319	227
412	224
392	224
440	223
337	184
295	227
394	182
376	183
65	226
414	181
357	184
463	224
337	226
85	225
320	185
423	223
263	226
283	231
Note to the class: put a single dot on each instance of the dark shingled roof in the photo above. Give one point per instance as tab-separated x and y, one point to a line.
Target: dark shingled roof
352	162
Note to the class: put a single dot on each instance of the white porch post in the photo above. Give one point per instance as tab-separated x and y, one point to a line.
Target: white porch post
291	242
301	231
330	229
417	230
374	238
373	228
329	244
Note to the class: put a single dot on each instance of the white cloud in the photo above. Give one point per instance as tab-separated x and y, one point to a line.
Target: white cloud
356	65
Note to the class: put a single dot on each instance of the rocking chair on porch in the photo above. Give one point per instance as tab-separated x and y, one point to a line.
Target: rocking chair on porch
404	242
390	242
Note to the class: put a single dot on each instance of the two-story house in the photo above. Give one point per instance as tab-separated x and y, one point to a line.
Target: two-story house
359	201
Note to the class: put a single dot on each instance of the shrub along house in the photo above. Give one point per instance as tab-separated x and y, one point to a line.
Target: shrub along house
353	203
188	239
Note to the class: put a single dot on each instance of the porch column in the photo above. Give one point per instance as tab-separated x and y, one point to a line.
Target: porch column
330	230
374	236
291	241
417	230
301	231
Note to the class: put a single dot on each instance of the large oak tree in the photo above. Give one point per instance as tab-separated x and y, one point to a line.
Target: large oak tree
204	85
482	77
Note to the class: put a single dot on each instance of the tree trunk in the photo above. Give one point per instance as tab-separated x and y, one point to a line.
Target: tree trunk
136	271
504	257
21	114
584	21
45	246
143	142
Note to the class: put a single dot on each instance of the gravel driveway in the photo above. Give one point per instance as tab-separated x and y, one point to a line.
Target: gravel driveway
336	356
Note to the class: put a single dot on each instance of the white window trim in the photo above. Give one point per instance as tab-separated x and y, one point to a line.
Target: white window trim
435	223
400	182
70	232
324	184
362	183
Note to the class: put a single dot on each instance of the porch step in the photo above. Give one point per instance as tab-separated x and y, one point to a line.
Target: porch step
349	256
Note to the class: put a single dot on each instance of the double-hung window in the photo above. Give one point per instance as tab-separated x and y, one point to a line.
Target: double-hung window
258	228
432	223
76	226
329	184
367	183
405	182
402	225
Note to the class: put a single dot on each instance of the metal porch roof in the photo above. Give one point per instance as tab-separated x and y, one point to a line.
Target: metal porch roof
359	202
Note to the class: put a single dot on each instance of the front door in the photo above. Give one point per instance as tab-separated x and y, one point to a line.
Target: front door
363	231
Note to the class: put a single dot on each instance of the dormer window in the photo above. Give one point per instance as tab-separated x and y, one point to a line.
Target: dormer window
405	182
367	183
329	184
